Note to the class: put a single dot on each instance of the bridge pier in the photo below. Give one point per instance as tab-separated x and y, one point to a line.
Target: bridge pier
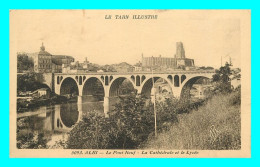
106	106
138	89
80	110
80	99
176	91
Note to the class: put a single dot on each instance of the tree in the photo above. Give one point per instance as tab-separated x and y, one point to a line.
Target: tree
222	80
24	63
30	82
167	113
134	119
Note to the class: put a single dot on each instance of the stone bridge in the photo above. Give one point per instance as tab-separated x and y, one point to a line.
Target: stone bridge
84	84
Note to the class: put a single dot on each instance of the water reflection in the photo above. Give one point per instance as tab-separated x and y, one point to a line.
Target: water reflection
55	121
66	115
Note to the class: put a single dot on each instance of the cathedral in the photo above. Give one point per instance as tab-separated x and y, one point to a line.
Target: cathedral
178	61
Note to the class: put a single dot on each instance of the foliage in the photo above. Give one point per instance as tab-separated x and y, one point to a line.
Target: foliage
235	98
93	67
133	119
92	133
24	63
166	113
30	82
126	88
221	79
31	141
129	124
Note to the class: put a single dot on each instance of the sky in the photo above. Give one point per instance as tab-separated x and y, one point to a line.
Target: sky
207	35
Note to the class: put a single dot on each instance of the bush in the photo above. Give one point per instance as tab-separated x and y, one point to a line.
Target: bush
27	139
235	98
94	132
30	82
31	141
130	124
127	127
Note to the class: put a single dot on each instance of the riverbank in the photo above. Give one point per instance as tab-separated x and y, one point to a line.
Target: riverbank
213	126
24	105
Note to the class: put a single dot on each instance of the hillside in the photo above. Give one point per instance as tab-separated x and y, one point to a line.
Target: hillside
215	126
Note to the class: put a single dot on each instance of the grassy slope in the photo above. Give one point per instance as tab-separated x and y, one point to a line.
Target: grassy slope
216	125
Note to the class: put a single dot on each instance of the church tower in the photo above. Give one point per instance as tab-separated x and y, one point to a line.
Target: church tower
180	52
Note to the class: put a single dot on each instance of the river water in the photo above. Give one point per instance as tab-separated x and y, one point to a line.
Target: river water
56	120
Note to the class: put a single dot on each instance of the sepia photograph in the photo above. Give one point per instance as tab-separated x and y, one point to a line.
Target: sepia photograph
130	83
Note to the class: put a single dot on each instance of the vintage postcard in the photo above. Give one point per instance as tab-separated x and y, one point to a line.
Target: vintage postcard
130	83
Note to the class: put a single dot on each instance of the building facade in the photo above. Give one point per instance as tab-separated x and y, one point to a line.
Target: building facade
178	61
43	61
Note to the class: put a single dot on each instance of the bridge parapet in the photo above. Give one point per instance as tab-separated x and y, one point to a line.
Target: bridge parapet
139	72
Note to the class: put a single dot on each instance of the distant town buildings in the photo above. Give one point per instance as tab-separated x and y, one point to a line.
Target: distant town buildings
123	67
60	61
44	62
138	66
178	61
76	67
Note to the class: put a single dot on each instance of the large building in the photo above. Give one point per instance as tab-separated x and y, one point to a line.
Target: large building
178	61
181	60
42	61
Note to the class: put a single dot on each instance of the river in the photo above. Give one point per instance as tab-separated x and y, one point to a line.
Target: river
55	121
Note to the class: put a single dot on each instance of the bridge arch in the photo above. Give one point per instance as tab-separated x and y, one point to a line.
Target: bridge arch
147	85
58	79
143	78
69	115
116	84
93	89
69	86
187	85
176	81
138	80
80	80
170	78
106	80
183	77
133	78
